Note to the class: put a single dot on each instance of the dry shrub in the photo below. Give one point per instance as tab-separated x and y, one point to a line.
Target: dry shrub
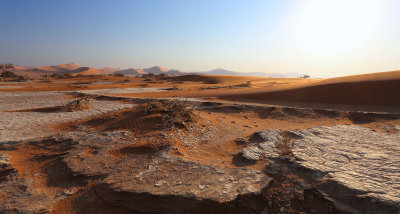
285	146
211	81
174	113
78	105
153	107
178	114
247	84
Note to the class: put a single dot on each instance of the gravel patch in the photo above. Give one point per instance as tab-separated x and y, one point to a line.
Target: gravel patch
16	126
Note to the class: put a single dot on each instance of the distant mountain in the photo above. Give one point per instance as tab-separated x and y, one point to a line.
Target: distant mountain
73	68
153	70
261	74
174	72
220	71
293	75
131	71
107	70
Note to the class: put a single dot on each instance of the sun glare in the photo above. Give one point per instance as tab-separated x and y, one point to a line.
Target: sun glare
336	26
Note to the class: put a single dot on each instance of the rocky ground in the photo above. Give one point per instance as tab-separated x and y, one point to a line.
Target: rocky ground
355	167
24	114
113	158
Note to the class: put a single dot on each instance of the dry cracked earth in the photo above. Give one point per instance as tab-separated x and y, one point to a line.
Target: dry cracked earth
116	158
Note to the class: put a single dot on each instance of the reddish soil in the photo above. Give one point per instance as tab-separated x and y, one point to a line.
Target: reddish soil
210	139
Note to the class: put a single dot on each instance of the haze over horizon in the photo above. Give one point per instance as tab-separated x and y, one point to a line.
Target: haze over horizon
319	38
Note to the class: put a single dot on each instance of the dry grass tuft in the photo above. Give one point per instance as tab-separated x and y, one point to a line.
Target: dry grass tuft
174	113
285	146
79	104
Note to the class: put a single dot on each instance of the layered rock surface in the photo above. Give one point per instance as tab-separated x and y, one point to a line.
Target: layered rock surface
122	173
355	167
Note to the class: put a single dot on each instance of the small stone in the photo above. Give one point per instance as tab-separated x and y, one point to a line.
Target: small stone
201	187
222	180
160	183
251	189
227	188
220	171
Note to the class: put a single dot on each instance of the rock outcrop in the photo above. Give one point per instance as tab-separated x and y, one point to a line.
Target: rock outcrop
123	174
356	168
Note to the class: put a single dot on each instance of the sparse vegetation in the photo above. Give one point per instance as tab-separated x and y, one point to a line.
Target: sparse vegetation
211	81
178	114
22	78
6	73
246	84
173	113
45	78
148	76
78	104
65	76
119	75
55	76
153	107
155	76
161	76
285	146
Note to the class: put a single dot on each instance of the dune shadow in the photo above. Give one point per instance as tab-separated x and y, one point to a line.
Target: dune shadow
52	109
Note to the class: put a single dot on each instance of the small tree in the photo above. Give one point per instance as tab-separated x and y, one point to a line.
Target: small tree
45	78
118	75
6	73
149	75
55	76
67	75
21	78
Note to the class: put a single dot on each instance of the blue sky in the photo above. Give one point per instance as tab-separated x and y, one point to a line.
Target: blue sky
317	37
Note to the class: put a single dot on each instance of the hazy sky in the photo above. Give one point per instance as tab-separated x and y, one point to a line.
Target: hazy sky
316	37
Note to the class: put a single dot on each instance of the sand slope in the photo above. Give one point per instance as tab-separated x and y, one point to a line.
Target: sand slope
84	71
377	89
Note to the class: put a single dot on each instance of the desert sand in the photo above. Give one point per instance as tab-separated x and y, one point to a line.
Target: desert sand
201	144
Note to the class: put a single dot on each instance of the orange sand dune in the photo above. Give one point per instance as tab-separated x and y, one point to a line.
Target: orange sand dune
390	75
58	68
84	71
377	89
70	66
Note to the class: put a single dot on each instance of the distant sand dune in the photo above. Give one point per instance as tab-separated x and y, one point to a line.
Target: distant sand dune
378	89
